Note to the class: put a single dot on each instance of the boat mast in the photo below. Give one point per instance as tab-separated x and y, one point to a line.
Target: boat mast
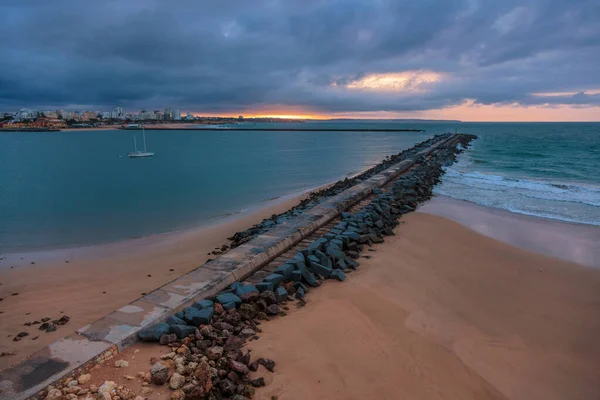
134	142
144	135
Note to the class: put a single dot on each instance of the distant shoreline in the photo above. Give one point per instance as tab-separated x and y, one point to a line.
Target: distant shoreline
279	129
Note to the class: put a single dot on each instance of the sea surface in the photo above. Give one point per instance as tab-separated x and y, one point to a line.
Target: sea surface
65	189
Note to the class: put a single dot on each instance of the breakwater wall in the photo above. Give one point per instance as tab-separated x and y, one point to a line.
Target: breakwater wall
75	353
282	129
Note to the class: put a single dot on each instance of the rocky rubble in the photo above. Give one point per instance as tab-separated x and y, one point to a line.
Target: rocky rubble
207	358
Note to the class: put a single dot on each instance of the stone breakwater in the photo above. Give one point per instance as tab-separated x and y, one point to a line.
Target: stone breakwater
201	312
205	357
317	196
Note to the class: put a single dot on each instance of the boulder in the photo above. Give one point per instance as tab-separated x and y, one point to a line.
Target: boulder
262	286
296	276
275	279
281	294
182	331
320	270
229	306
246	292
153	333
337	274
285	270
224	298
300	293
173	320
159	373
196	317
309	278
202	304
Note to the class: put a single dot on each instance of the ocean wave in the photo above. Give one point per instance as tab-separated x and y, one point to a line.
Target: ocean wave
556	191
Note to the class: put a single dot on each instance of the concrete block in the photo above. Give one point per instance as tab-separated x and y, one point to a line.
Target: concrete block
182	331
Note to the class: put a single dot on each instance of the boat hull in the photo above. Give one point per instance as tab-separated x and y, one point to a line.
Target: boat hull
140	154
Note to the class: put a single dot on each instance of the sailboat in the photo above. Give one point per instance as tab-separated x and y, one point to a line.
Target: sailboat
139	153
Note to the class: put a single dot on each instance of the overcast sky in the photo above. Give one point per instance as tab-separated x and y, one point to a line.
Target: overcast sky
425	58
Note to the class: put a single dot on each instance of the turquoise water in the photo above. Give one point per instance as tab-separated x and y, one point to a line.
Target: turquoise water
545	170
65	189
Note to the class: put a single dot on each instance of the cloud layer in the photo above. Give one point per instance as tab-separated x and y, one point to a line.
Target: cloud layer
321	57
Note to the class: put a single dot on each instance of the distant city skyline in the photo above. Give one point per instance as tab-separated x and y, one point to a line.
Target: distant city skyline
471	60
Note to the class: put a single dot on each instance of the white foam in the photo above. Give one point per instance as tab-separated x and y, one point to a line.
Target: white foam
565	201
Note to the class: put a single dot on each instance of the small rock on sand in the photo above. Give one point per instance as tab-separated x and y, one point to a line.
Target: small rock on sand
121	364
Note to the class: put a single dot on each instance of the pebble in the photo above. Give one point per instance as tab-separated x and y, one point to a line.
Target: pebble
121	364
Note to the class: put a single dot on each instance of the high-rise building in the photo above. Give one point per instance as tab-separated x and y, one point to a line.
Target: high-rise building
167	114
176	114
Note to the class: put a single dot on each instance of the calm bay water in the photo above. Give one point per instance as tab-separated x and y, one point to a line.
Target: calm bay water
65	189
71	188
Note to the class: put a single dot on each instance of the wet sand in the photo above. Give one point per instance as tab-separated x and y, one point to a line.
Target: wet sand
442	312
87	283
565	240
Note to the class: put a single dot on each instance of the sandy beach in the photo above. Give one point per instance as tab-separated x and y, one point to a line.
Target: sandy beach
88	282
442	312
438	311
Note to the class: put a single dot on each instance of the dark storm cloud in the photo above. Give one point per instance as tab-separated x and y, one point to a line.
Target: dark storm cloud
223	56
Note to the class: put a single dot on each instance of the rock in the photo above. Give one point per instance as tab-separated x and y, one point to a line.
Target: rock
232	343
274	279
83	379
182	331
183	350
177	381
167	339
159	373
48	327
124	393
268	364
196	317
296	276
247	312
273	309
263	286
238	367
320	270
225	298
173	320
54	394
204	376
103	396
153	333
121	364
202	304
229	306
268	297
285	271
262	316
107	387
177	395
63	320
258	382
309	278
300	292
246	292
145	391
72	383
129	377
214	353
73	389
281	294
227	387
338	274
246	333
